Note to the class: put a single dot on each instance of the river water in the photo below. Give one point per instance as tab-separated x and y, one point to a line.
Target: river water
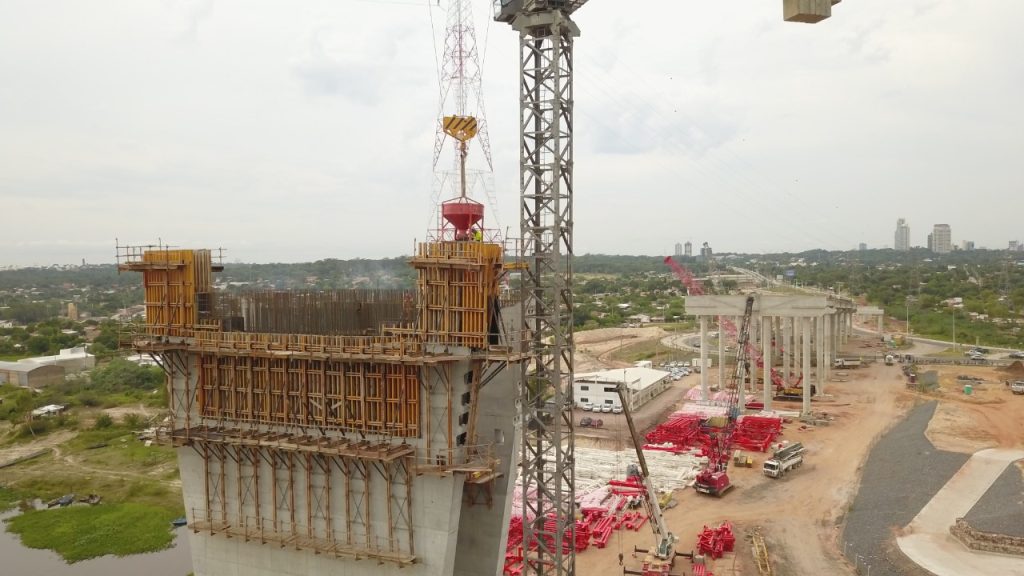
18	560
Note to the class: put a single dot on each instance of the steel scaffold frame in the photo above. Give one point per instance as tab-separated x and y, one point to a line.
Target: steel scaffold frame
546	191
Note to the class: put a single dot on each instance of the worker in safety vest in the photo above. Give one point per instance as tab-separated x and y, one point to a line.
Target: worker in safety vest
478	235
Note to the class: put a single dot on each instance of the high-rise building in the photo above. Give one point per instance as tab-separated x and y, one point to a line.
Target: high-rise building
862	247
705	251
1014	246
967	244
679	249
942	239
688	249
902	235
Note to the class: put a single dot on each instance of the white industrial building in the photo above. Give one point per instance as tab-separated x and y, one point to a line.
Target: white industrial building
73	360
29	374
601	388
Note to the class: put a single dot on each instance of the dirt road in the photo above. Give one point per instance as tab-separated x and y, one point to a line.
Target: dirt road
18	451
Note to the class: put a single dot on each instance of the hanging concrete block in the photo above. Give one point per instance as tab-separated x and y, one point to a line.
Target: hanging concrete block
809	11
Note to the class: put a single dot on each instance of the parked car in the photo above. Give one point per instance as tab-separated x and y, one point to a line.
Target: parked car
587	407
616	409
1016	354
606	408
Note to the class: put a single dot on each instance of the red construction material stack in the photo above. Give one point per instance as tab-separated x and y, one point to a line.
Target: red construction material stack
701	570
680	430
582	535
757	432
715	542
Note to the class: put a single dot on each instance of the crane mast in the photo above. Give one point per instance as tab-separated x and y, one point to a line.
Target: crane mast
546	33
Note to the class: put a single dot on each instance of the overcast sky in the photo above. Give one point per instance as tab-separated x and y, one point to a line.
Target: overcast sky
294	131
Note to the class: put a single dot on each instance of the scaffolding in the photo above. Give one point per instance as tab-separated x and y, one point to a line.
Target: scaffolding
313	412
458	287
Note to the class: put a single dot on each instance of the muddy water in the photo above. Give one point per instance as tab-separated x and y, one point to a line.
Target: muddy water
16	559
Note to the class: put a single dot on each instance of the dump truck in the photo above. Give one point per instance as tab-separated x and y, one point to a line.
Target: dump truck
847	363
784	460
1017	387
889	359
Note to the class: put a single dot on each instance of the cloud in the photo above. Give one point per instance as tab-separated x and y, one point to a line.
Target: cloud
864	43
324	74
188	15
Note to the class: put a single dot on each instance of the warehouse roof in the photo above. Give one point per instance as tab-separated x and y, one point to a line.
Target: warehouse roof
636	378
19	366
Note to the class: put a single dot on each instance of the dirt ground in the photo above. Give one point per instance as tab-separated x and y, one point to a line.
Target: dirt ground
801	539
800	515
16	451
983	419
595	347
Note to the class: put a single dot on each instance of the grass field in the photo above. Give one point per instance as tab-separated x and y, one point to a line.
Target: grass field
652	350
9	498
83	532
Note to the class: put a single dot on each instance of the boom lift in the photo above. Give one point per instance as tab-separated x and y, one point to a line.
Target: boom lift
714	479
659	559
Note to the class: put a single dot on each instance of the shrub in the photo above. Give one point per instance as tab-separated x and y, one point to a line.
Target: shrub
103	421
133	421
34	428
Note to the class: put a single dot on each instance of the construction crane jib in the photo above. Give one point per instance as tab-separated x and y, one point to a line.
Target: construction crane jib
663	555
546	35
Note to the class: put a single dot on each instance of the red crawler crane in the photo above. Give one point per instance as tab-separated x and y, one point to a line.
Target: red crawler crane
694	287
714	480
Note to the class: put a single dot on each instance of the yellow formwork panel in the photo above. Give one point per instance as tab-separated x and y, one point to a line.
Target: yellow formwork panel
458	282
358	396
173	280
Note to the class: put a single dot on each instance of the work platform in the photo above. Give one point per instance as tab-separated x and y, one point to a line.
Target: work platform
318	428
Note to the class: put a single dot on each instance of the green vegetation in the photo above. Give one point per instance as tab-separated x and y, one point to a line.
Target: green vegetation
115	383
9	497
45	337
921	285
652	350
113	449
110	462
83	532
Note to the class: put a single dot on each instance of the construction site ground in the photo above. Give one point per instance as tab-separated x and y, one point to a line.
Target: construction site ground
802	515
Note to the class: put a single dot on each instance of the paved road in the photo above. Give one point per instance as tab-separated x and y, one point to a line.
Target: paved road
929	543
1001	509
901	474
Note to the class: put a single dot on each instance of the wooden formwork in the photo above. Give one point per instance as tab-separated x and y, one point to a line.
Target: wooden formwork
458	291
309	393
178	287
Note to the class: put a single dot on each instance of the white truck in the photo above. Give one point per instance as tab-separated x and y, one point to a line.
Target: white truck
1017	387
783	461
847	363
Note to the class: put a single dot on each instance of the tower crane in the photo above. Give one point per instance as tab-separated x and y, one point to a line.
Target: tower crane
546	34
